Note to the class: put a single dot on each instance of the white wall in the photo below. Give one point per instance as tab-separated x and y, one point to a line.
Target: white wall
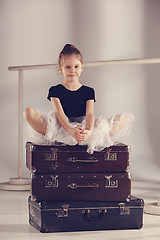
33	32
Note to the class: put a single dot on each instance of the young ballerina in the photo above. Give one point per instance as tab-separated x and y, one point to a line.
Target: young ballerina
72	119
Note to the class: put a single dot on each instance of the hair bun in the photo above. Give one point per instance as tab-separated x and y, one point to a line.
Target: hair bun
70	49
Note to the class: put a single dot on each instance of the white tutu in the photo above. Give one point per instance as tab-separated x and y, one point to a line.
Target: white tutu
106	132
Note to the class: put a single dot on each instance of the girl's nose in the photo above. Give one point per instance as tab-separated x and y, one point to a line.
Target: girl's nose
72	69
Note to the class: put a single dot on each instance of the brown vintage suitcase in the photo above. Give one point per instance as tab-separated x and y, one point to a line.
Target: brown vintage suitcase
63	158
81	186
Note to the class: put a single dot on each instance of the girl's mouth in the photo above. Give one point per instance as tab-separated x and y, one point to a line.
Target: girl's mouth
71	75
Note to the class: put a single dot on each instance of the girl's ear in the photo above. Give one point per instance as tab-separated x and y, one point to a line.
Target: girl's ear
82	68
60	69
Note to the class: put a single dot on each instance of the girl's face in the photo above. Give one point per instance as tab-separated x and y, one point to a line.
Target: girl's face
71	68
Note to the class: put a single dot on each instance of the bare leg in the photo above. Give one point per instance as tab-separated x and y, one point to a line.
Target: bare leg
118	123
35	120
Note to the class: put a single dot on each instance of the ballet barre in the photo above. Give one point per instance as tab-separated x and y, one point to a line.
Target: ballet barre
21	183
89	64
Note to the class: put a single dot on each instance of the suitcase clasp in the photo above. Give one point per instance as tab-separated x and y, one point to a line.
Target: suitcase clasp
110	156
110	183
123	210
52	155
53	182
63	212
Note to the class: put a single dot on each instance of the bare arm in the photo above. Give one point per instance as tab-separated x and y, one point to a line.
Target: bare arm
85	133
90	115
63	118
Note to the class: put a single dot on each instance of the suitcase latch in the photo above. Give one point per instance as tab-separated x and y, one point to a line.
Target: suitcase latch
110	183
53	182
63	212
110	156
123	210
52	155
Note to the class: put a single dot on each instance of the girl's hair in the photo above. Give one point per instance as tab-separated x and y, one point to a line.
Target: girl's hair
69	49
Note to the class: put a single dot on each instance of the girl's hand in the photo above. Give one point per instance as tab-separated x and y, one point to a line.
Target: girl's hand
83	134
79	133
75	132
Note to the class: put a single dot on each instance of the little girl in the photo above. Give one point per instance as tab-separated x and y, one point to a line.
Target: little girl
72	119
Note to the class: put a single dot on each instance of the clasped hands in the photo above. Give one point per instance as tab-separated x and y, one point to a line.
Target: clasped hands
80	133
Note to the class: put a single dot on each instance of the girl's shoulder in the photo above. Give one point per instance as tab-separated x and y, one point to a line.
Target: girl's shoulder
55	87
89	92
88	88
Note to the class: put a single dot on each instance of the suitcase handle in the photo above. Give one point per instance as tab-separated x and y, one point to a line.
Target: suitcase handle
74	160
75	186
91	217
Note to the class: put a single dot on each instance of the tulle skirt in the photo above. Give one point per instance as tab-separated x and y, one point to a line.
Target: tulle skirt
106	131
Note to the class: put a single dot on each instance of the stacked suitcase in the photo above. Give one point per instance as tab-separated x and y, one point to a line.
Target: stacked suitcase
73	191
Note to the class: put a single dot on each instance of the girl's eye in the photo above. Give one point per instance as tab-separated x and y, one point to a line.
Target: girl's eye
77	66
68	67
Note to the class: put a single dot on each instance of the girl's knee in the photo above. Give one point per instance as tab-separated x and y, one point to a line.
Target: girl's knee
27	113
123	120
